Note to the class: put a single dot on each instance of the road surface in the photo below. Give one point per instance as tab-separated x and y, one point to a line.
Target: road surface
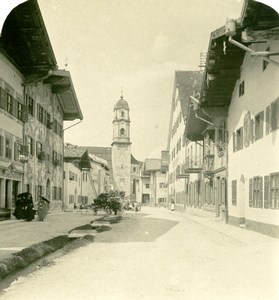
161	255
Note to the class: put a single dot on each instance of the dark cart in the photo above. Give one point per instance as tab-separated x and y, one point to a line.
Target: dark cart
24	207
107	203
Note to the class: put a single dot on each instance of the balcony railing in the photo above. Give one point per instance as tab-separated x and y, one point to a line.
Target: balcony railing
193	166
208	164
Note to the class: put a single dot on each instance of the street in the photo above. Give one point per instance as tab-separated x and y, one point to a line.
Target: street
159	254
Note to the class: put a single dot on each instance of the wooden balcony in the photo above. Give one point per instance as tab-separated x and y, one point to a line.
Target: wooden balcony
208	165
193	166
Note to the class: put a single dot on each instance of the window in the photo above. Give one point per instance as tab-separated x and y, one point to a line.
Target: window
39	150
161	185
55	126
54	157
238	139
9	103
71	199
234	192
122	114
40	116
134	169
48	125
30	106
256	192
122	131
274	190
17	150
241	89
8	148
161	200
259	126
19	111
30	144
147	185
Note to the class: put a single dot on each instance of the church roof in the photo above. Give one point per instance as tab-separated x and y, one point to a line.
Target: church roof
121	103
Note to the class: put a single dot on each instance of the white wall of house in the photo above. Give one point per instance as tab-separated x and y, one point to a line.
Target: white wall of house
72	185
260	157
11	134
176	149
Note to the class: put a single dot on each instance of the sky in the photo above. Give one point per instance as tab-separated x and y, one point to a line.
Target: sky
134	45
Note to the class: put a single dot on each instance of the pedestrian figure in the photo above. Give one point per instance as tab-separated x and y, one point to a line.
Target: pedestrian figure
43	206
172	205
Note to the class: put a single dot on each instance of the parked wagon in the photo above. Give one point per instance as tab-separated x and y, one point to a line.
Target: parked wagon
106	202
24	207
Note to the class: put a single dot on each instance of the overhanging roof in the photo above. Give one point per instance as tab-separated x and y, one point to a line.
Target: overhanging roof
225	59
63	87
25	41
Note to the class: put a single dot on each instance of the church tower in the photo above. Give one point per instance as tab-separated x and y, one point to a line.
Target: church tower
121	147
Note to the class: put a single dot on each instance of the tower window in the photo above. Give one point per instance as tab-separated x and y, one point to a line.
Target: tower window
122	131
122	114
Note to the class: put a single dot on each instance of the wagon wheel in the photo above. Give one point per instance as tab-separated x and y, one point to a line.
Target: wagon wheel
108	210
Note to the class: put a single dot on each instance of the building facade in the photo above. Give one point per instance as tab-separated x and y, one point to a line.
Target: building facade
240	157
36	98
152	183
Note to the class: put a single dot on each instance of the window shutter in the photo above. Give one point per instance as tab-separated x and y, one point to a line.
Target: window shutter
250	192
15	151
3	99
252	125
33	146
24	116
24	150
266	192
267	120
274	115
234	192
260	192
234	148
241	138
261	124
15	108
1	145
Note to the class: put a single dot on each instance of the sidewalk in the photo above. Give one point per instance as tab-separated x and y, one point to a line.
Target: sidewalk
18	234
240	234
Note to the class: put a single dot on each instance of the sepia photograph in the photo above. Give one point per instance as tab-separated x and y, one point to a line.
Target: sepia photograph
139	156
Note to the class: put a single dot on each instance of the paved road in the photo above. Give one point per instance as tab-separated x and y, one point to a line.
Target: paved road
161	255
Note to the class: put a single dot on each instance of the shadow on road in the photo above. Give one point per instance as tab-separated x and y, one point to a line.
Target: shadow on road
136	228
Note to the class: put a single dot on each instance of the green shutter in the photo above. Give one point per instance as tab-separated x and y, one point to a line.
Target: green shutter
266	192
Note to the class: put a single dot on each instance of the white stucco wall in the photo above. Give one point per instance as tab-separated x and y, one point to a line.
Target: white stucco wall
261	157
